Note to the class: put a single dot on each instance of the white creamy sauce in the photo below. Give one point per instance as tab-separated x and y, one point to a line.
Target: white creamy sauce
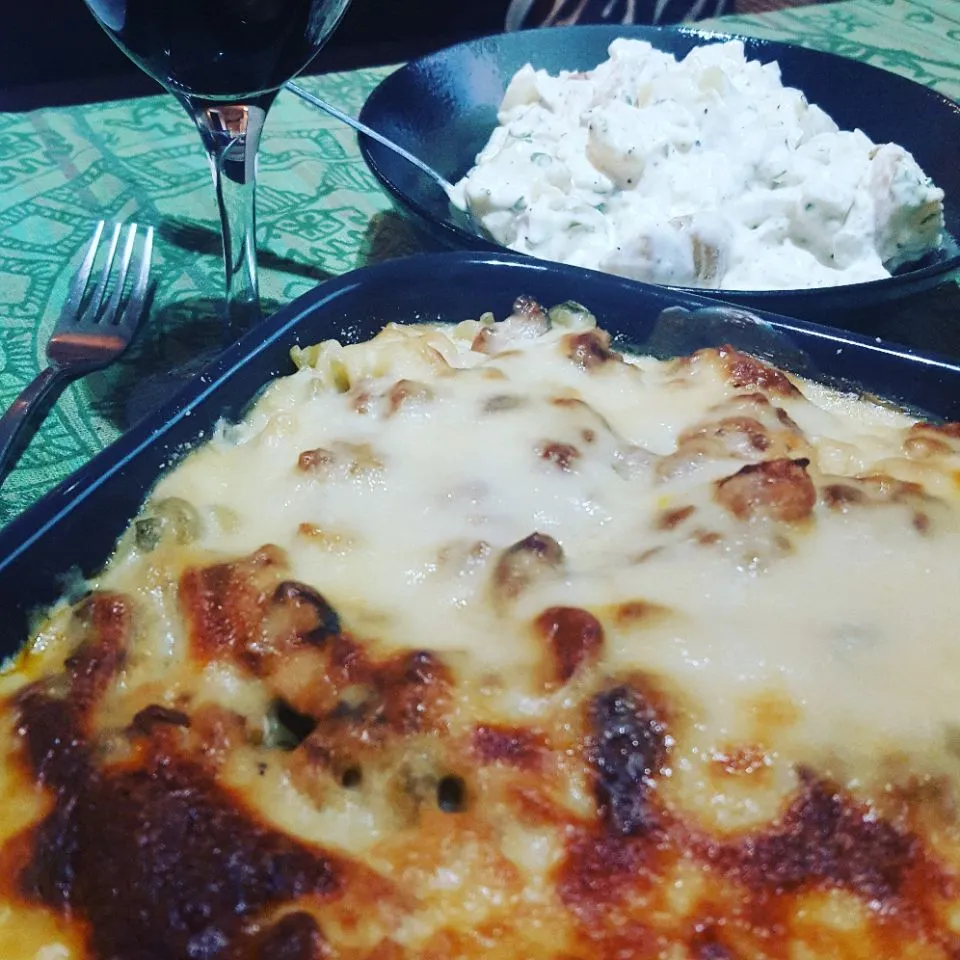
852	623
704	172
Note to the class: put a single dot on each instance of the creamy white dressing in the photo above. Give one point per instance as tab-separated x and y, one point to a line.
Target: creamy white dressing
704	172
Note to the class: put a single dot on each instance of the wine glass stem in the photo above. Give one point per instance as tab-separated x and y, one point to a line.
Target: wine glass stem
231	134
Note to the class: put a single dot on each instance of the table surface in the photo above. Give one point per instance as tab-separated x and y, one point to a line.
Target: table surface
320	213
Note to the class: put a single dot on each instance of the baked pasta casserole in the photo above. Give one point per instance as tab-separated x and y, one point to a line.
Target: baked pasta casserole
489	640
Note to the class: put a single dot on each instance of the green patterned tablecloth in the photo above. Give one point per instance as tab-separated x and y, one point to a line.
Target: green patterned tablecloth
320	212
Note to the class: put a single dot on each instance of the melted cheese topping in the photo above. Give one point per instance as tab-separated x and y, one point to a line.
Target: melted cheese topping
705	172
395	526
772	560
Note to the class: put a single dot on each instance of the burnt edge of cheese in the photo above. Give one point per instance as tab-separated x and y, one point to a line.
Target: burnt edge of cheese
244	608
825	837
404	695
145	720
778	489
315	619
523	563
590	350
527	306
949	429
563	456
407	392
224	604
932	439
749	428
627	749
211	879
881	490
744	371
204	867
824	840
518	747
571	637
669	519
295	936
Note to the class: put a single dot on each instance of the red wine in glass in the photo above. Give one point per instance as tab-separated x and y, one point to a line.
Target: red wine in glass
225	61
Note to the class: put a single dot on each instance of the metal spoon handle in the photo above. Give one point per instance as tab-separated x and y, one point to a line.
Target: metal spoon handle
442	182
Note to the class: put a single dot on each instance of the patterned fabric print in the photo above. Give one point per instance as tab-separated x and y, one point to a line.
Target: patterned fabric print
919	39
560	13
320	213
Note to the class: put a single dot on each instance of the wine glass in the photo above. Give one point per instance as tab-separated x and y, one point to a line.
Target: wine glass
225	60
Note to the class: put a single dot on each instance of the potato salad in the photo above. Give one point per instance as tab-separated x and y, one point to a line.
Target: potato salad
704	172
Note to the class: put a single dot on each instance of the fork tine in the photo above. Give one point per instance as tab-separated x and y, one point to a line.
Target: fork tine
72	304
111	313
96	298
131	315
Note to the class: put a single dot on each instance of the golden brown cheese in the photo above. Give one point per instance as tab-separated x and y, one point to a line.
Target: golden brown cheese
489	641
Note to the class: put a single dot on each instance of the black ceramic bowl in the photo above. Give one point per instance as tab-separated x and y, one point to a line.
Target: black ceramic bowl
443	108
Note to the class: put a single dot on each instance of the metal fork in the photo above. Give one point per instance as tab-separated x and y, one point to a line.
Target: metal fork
96	325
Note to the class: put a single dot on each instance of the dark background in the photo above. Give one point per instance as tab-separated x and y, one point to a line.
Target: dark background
54	51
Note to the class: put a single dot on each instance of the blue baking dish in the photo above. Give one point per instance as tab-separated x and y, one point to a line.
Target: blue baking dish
71	532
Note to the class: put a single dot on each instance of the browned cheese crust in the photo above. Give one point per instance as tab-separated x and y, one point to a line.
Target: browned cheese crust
150	837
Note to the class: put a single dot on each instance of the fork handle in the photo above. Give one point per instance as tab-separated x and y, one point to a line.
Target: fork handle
26	413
